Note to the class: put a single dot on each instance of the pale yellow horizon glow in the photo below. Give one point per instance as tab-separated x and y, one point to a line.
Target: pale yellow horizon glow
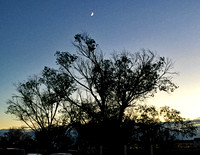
9	122
187	102
185	99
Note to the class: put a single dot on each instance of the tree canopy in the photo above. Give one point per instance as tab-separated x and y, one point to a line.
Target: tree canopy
157	125
39	98
107	86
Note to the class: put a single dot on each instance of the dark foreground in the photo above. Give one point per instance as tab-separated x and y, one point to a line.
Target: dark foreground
114	151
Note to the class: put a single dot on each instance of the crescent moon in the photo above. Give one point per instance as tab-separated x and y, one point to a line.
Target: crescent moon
92	14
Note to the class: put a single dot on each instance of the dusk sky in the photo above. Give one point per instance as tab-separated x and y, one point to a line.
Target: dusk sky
31	31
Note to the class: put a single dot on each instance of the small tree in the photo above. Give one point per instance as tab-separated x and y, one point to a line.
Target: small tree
159	126
39	101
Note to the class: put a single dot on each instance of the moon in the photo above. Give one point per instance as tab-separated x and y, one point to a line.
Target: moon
92	14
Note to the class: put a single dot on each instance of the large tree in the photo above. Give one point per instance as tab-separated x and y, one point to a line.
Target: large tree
107	86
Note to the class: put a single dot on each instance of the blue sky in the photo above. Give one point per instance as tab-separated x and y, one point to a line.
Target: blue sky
31	31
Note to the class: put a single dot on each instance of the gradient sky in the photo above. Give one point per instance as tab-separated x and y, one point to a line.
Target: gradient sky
31	31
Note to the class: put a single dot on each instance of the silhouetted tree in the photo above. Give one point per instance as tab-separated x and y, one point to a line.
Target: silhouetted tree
159	126
39	100
108	86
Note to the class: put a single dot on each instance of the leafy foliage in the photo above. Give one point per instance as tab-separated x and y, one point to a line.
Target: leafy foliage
111	85
39	98
153	126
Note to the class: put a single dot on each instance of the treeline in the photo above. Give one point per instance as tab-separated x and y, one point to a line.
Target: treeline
100	98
